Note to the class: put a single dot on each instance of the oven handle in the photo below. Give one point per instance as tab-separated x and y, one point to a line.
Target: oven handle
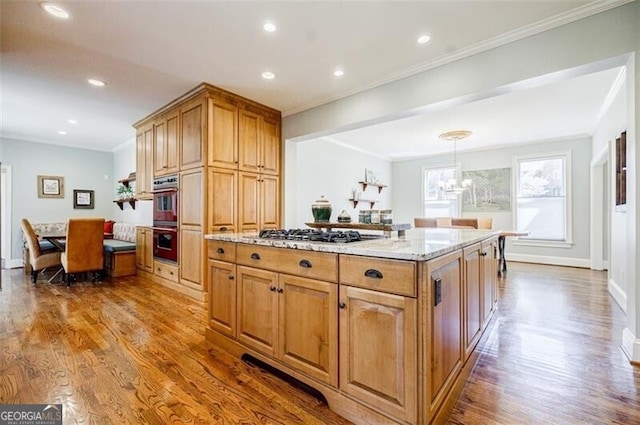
166	229
171	189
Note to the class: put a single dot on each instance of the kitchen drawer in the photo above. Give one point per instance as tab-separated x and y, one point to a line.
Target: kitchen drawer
165	270
220	250
314	265
392	276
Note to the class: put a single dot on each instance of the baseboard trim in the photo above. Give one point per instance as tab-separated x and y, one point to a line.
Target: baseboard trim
555	261
14	264
631	346
618	294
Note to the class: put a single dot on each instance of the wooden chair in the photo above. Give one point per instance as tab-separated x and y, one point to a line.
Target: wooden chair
485	223
39	260
84	251
425	222
464	223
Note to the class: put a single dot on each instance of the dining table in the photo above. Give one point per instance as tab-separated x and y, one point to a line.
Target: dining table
504	234
56	239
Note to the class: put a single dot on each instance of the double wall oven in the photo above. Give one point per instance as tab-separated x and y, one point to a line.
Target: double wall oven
165	218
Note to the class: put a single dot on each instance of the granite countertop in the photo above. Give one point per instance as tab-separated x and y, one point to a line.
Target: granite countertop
418	244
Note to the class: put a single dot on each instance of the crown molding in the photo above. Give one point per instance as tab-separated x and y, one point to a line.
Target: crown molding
547	24
353	148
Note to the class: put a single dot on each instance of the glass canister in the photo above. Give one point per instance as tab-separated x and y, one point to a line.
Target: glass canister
375	216
386	216
321	210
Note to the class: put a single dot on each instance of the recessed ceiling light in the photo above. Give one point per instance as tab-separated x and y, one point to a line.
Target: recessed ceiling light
97	83
338	73
54	10
268	75
72	121
269	26
423	39
62	132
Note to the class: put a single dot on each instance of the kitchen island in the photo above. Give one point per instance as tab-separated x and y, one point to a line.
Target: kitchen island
385	329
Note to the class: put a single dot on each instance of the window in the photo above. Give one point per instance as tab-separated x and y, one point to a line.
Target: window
542	197
436	201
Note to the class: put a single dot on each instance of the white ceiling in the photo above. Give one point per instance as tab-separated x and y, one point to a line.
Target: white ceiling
151	52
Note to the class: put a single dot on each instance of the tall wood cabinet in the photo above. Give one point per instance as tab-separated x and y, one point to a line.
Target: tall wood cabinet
227	152
144	249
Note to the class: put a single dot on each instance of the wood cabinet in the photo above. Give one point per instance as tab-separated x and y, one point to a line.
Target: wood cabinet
223	124
472	296
441	344
144	249
378	358
144	161
222	297
191	243
258	202
258	143
192	131
222	209
166	138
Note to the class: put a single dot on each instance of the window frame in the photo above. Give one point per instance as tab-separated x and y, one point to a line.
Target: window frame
525	240
457	172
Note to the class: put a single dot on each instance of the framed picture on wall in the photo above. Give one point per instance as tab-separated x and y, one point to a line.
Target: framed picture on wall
83	199
50	187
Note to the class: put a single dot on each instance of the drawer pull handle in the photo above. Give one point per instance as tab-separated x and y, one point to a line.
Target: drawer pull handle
220	251
223	229
306	264
272	288
280	290
255	256
231	277
484	254
342	305
373	273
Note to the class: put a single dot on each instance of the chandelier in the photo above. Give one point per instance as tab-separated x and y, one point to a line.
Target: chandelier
454	185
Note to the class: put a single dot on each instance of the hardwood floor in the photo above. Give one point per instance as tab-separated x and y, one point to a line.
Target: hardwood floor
130	351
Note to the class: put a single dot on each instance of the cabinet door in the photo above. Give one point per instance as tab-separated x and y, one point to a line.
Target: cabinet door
472	297
249	141
378	360
269	188
222	297
172	136
144	249
270	163
223	126
222	200
159	148
144	161
248	202
308	326
489	279
442	340
192	135
258	309
190	197
191	257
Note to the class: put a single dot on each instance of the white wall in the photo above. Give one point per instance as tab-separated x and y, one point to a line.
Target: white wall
124	162
407	202
81	169
322	168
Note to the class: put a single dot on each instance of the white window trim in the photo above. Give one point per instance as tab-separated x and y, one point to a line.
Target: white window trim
568	242
458	171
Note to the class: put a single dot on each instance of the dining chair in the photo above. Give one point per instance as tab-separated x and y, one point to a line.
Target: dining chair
39	259
84	251
425	222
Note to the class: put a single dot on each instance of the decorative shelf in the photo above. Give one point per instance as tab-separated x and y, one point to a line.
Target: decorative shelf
378	185
355	202
127	180
386	228
121	203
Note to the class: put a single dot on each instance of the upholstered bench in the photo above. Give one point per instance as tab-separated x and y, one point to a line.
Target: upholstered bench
120	252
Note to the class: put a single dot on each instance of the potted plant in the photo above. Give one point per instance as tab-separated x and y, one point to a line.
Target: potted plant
124	193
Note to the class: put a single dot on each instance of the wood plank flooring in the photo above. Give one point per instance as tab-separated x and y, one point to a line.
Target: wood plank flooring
131	352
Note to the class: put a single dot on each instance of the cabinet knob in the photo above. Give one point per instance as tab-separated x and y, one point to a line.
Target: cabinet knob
272	288
306	264
231	277
255	256
280	290
484	254
223	229
342	305
373	273
220	251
